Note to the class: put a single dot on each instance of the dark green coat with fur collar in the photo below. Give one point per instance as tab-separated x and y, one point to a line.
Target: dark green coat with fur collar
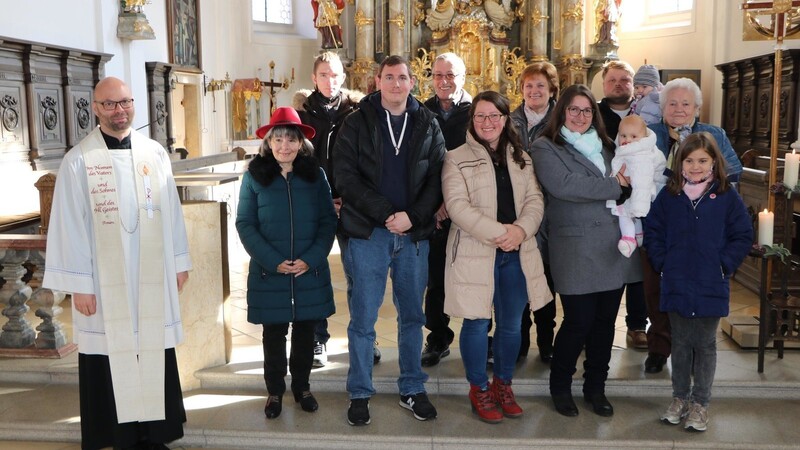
282	219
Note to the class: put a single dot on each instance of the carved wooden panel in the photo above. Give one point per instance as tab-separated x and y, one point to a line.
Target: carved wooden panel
14	145
52	87
159	90
747	102
80	112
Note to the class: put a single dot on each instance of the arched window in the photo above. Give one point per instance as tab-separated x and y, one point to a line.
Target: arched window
286	18
273	11
657	17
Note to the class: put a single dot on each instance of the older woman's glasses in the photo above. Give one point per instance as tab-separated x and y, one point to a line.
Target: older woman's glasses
574	111
111	105
480	118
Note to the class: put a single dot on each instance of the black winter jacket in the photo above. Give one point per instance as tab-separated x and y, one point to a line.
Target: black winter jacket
454	128
309	106
358	159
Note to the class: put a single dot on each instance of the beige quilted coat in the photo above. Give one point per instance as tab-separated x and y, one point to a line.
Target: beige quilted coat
470	195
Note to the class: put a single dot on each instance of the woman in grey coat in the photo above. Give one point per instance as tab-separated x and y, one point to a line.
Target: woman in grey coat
572	162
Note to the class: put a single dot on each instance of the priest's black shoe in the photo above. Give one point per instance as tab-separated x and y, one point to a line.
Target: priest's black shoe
600	404
274	406
432	354
564	404
307	401
654	363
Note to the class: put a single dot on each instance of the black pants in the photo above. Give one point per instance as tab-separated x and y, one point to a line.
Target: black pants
636	319
300	358
436	320
588	323
544	318
99	427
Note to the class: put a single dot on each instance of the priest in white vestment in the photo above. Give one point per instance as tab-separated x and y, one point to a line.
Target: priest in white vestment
117	242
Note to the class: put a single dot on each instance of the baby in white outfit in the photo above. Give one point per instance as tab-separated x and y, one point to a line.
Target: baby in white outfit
644	164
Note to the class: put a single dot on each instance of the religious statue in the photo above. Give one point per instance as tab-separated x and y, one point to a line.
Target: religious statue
607	13
440	14
134	6
500	12
326	20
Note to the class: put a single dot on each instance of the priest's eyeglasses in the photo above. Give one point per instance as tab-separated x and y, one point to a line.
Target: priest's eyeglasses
111	105
574	111
480	118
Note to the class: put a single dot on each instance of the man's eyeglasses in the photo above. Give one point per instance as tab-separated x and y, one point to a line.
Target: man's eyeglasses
480	118
574	111
111	105
447	76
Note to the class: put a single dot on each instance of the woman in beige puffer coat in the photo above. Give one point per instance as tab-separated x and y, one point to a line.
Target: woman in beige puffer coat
496	206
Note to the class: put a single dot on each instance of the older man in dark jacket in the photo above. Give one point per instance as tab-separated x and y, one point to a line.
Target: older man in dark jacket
387	168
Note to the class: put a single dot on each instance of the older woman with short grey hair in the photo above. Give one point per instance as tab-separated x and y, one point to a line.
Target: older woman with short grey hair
681	101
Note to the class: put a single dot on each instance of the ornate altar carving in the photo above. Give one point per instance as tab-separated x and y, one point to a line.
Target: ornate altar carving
482	32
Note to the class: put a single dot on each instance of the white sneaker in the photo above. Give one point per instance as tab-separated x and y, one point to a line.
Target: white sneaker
676	412
697	420
320	355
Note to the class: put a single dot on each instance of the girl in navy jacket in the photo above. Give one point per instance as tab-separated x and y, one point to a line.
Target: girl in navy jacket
697	233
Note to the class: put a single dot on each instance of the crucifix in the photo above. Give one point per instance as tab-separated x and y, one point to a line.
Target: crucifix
779	9
275	85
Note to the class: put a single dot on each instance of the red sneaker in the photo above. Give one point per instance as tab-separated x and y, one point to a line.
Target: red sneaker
483	405
504	396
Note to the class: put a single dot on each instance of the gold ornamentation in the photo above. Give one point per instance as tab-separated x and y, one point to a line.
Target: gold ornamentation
362	66
361	19
575	13
419	13
519	13
399	21
513	65
421	69
537	17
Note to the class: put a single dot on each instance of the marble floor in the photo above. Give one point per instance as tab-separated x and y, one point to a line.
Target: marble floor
744	413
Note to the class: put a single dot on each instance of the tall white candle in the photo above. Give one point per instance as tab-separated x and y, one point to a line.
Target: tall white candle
791	169
766	223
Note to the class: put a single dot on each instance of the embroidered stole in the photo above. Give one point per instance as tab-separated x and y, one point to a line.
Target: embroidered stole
137	368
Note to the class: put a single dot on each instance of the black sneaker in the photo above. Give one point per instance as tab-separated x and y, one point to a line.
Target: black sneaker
432	354
358	412
420	405
376	354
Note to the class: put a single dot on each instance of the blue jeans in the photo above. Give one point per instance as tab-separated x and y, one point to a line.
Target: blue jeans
694	350
368	261
510	298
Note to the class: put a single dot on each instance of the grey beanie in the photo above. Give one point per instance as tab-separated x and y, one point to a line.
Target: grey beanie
647	75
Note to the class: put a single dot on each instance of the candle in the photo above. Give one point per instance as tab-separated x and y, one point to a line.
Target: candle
766	222
791	169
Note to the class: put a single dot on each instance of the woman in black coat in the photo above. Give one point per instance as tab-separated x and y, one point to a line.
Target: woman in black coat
286	222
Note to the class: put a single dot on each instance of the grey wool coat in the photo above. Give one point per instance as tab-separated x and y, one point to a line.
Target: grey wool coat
582	232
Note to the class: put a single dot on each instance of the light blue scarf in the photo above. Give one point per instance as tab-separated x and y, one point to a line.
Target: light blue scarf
588	144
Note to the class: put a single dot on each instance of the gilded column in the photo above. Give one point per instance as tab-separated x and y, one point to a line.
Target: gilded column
571	19
362	68
571	66
397	28
534	30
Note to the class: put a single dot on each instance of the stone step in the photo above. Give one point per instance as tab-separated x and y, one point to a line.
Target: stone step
225	419
736	376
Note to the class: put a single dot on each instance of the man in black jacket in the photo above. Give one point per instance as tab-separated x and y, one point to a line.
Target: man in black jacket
325	108
387	169
618	91
451	105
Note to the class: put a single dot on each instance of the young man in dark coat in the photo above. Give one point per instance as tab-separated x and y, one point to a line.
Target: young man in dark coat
324	109
387	168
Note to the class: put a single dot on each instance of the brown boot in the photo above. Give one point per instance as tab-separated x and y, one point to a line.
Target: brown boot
483	405
504	396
